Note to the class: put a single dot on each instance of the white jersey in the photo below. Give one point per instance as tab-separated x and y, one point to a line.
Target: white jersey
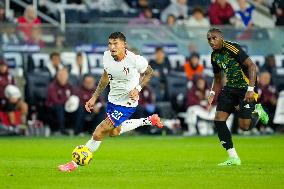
123	76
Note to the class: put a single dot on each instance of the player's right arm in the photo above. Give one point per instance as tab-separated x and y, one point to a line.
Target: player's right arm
217	82
90	104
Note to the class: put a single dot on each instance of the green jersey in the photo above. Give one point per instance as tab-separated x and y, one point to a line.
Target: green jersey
230	58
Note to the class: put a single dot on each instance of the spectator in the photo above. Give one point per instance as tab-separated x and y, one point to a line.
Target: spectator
268	95
36	37
9	35
3	16
178	8
55	64
220	12
197	19
193	67
147	101
5	77
269	64
200	3
196	103
161	64
85	92
139	4
28	21
80	68
108	5
59	90
244	14
171	20
277	9
146	17
197	95
2	13
13	110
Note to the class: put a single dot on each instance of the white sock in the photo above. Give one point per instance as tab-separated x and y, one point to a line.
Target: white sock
93	145
232	153
132	124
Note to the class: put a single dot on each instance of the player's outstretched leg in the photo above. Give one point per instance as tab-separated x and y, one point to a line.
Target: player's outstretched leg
93	144
132	124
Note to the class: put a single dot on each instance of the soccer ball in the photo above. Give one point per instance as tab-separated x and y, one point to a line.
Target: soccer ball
81	155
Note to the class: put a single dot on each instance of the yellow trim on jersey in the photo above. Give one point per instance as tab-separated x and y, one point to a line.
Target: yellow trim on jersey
255	95
245	77
231	47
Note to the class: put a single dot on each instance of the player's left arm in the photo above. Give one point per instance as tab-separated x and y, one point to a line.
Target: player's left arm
145	78
252	79
245	60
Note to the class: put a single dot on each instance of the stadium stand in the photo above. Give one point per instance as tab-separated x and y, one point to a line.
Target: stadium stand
76	28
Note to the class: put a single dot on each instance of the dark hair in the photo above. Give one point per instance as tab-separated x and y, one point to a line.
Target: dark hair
216	30
197	9
79	54
159	49
53	54
194	54
117	35
87	75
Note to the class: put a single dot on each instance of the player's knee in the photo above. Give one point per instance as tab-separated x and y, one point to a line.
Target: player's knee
245	127
245	124
97	136
115	132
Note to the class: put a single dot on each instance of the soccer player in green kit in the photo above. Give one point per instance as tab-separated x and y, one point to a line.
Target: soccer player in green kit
239	94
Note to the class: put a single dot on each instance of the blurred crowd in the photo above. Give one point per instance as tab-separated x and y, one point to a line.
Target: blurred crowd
66	89
188	12
25	25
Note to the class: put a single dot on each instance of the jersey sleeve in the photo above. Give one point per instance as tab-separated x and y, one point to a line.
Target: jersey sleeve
141	64
241	55
216	68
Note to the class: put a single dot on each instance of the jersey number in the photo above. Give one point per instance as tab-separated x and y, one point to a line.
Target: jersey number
116	114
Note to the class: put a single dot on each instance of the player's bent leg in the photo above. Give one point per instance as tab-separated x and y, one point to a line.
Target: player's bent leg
103	129
248	115
245	124
115	132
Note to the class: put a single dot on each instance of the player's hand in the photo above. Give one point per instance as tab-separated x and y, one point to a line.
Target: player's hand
249	97
89	106
134	94
210	100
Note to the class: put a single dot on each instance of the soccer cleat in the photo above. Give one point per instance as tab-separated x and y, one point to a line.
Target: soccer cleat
231	161
68	167
156	121
263	116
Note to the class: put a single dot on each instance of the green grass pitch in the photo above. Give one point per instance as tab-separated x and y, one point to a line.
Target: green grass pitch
134	162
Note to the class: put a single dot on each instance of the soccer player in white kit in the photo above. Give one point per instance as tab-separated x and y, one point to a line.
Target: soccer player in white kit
127	74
